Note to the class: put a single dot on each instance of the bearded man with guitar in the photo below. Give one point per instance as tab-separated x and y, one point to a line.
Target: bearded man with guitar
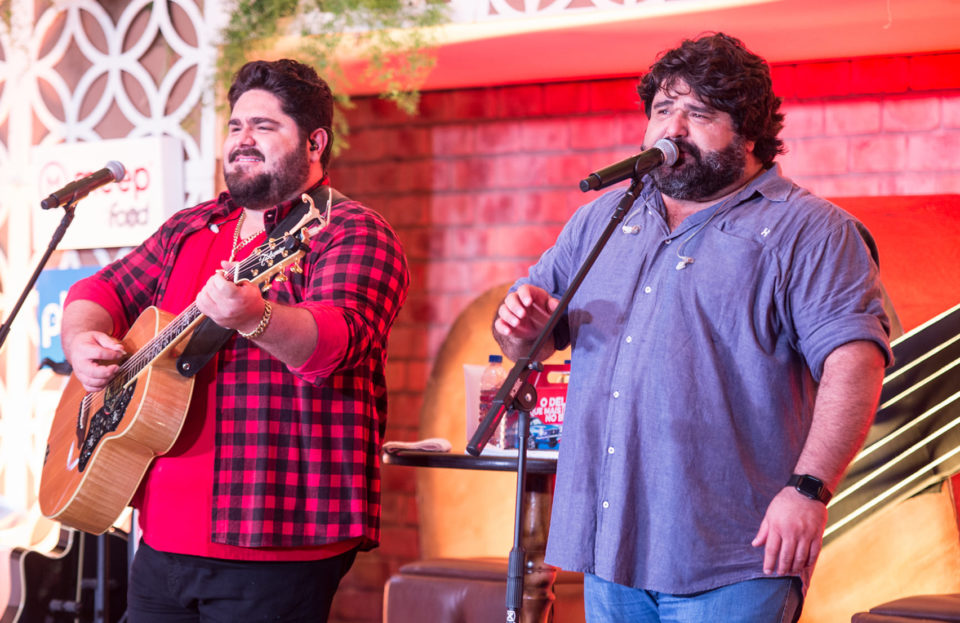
272	484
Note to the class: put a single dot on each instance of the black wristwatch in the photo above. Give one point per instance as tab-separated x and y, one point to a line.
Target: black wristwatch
810	486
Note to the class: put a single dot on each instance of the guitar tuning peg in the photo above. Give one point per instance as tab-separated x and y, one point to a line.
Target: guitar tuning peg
296	267
280	277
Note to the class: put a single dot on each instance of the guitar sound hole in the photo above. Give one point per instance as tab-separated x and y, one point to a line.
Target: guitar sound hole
104	421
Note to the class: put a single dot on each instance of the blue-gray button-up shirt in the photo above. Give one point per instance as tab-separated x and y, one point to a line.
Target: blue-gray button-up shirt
692	389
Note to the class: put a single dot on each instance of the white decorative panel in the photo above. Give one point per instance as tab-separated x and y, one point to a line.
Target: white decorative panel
80	71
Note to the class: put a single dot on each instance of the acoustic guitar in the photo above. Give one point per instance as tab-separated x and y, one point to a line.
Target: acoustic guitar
84	577
101	443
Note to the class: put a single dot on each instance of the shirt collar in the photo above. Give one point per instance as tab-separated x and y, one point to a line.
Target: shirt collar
272	216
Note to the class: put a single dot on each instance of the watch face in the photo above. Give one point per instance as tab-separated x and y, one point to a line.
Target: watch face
811	487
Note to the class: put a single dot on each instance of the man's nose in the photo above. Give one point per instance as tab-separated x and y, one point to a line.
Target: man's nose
676	125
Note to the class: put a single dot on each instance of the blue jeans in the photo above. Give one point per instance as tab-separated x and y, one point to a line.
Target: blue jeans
764	600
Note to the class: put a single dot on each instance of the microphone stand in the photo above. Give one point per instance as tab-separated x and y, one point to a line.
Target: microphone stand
68	214
518	394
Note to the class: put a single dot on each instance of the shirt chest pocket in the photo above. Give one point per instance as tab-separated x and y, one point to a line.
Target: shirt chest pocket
729	285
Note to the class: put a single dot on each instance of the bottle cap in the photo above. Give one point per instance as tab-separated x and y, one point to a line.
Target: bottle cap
496	358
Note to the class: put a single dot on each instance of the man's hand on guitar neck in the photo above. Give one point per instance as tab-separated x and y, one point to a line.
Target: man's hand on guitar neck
88	346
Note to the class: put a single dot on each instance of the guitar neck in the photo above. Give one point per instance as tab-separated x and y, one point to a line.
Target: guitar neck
160	345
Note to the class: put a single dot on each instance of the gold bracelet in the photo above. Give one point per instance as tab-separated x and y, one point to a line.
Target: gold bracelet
264	321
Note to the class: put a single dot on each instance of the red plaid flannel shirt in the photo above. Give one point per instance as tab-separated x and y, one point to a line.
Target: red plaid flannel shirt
297	458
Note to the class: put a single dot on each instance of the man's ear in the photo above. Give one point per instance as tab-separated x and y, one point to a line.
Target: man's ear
318	141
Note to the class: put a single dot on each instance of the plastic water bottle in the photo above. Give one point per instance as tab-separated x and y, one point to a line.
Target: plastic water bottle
491	379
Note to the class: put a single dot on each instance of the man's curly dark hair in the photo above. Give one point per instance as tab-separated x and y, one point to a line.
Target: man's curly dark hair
302	93
725	75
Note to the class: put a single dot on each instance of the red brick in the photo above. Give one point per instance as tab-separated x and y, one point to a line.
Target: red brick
498	138
367	572
951	110
595	132
878	153
396	373
449	275
406	342
417	374
523	241
611	95
473	173
822	79
933	152
399	509
911	113
382	176
365	146
400	541
398	478
452	208
413	175
633	126
521	101
406	210
471	104
469	242
928	183
355	606
454	140
442	174
386	113
566	171
848	185
518	171
419	244
566	98
545	135
520	207
852	117
815	156
936	71
404	414
410	141
879	75
502	272
784	79
458	105
802	119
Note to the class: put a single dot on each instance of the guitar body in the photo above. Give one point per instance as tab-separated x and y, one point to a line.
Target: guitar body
97	454
59	586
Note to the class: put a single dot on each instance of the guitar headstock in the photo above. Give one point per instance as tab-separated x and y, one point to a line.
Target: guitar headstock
275	254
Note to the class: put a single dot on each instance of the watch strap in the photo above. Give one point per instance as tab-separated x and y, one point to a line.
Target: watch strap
810	486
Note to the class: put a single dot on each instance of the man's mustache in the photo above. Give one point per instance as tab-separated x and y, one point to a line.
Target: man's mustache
688	148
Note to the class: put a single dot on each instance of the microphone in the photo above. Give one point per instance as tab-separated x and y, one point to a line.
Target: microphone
663	151
78	189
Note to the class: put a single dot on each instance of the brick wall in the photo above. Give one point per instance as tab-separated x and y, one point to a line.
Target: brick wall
480	182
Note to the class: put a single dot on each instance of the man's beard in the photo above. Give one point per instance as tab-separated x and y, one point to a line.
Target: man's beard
704	176
265	190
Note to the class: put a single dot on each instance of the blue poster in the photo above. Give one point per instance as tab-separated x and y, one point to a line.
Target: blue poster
52	286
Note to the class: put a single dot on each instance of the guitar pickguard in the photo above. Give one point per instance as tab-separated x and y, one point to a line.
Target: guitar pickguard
105	420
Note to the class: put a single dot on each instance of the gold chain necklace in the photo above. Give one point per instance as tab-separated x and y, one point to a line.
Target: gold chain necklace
237	243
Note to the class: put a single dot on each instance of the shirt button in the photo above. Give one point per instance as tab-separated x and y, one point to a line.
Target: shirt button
629	339
668	241
616	394
606	504
610	450
648	290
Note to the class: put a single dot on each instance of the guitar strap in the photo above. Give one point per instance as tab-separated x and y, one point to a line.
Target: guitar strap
209	337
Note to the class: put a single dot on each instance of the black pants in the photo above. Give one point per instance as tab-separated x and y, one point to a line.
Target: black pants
174	588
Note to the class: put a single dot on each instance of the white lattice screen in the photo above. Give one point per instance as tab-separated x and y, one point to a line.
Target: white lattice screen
81	71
